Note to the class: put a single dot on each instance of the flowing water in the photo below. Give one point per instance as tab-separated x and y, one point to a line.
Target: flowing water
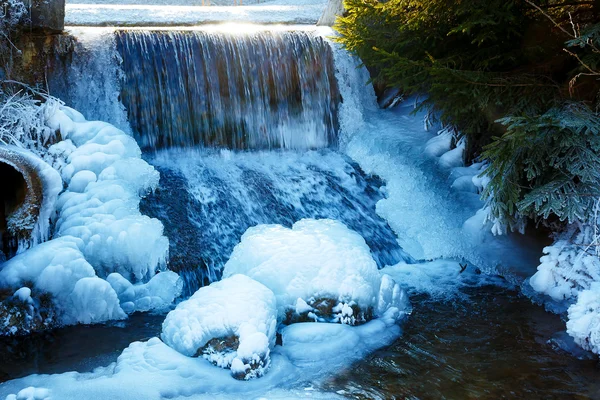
250	129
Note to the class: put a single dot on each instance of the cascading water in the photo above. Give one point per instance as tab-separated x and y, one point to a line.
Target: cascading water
208	199
207	89
263	90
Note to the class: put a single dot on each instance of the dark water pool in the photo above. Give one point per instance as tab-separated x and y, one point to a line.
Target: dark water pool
491	344
75	348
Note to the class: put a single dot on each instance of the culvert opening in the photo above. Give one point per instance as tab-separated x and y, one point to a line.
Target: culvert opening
13	189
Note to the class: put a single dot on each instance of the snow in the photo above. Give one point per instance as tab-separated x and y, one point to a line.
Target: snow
30	393
236	306
314	262
180	13
584	319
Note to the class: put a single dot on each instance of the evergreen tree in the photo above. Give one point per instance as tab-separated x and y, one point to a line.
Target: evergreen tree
517	78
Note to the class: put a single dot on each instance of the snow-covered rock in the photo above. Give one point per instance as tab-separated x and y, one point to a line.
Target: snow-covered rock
319	270
232	323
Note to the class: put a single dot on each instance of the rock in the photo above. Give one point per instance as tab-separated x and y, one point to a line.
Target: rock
48	15
334	8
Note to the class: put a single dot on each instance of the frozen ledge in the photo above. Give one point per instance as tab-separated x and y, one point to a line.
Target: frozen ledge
277	12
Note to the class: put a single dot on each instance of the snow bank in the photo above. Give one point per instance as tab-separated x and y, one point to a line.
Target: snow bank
319	270
232	323
98	229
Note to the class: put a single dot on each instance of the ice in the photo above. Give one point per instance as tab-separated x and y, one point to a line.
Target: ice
317	264
94	300
584	319
177	12
52	185
81	180
106	178
158	294
311	352
234	309
30	393
434	214
23	294
98	228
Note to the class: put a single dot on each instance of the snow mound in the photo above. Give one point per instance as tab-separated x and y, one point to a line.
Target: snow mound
319	270
584	319
232	323
30	393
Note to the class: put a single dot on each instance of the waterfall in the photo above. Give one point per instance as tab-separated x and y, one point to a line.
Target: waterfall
244	129
260	90
207	199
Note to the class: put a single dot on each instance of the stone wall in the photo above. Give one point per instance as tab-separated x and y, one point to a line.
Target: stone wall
48	15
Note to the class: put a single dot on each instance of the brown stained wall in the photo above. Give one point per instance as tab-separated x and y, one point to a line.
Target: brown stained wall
21	196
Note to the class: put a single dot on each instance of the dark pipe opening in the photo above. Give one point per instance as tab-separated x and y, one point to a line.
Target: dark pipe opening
13	189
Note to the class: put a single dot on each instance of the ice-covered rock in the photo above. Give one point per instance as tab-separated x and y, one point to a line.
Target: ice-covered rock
319	270
232	323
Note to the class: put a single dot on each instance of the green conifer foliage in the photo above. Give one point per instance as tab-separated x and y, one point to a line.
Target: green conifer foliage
518	78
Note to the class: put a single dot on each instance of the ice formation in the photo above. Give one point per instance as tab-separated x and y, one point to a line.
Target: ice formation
232	323
30	393
33	168
98	229
319	270
569	274
584	319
